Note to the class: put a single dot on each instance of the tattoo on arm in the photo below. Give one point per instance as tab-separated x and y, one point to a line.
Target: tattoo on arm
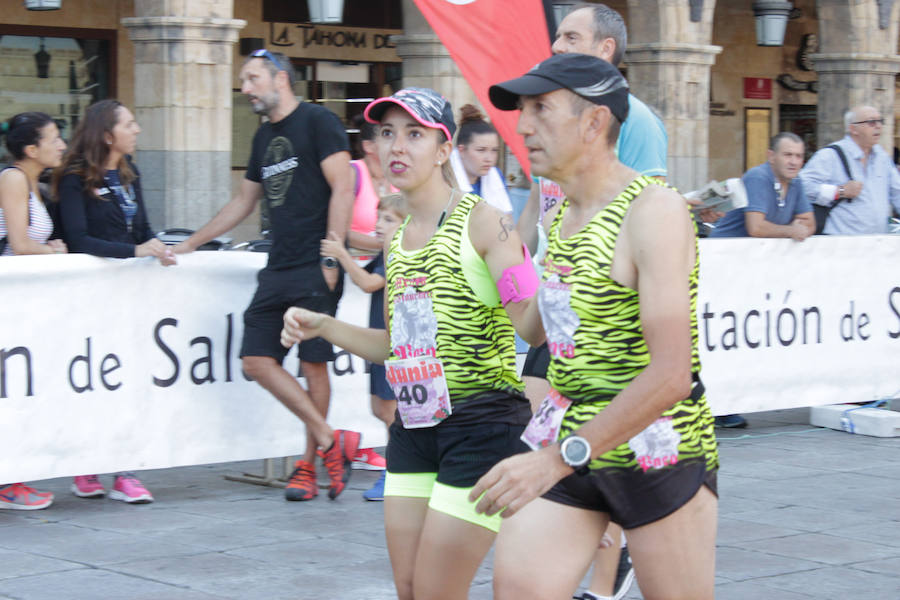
506	225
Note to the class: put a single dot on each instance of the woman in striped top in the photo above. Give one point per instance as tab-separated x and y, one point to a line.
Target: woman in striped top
33	140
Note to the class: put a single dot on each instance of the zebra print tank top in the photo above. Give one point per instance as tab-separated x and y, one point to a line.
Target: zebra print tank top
433	310
594	331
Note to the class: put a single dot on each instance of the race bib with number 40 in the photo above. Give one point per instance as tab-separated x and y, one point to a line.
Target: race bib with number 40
421	390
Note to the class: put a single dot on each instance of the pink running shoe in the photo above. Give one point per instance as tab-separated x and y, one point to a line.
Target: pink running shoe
367	459
18	496
88	486
128	488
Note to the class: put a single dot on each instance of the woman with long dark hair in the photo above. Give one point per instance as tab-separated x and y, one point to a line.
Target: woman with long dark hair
102	209
102	213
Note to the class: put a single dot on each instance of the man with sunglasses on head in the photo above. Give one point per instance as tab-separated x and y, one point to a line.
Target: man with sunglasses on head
862	198
300	164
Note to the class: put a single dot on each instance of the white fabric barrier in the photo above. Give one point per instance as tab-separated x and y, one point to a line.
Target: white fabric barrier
786	324
110	365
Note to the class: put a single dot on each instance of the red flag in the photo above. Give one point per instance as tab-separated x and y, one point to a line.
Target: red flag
492	41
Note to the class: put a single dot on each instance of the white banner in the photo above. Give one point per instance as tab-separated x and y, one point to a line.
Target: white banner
109	365
786	324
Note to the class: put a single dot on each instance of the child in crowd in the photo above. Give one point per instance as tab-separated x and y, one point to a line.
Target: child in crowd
371	279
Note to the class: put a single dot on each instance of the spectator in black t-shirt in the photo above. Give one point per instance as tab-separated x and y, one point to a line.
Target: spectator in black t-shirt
300	164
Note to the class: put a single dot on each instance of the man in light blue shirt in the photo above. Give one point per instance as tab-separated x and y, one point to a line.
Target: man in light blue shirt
776	207
776	204
642	144
874	183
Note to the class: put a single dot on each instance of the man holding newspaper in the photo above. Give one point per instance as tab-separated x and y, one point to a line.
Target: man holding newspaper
776	205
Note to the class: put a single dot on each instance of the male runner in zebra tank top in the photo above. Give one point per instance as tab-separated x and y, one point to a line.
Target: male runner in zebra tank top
625	433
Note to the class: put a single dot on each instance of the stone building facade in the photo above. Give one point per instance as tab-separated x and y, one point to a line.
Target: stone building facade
176	62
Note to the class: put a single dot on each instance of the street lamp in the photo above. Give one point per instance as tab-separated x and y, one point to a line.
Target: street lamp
326	11
42	61
771	20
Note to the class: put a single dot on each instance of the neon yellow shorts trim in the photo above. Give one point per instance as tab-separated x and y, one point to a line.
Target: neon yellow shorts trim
453	501
410	485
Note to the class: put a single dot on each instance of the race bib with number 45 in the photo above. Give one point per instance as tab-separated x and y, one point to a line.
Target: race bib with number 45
421	390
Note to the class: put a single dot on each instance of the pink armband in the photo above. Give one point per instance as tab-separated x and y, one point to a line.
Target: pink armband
519	282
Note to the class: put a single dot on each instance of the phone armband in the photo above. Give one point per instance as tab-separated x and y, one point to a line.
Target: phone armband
519	282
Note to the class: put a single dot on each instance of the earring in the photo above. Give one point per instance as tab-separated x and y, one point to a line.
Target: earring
437	163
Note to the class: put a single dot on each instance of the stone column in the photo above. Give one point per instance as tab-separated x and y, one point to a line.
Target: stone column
183	81
857	63
674	79
669	56
426	62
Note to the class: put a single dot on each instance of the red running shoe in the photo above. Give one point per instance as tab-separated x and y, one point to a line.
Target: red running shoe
368	460
339	460
302	485
18	496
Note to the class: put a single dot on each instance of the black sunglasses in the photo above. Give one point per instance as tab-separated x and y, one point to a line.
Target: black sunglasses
263	53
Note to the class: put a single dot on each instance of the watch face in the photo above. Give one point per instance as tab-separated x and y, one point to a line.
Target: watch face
576	451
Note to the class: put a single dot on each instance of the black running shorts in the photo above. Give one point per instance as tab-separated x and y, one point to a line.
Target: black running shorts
459	454
634	497
537	361
277	291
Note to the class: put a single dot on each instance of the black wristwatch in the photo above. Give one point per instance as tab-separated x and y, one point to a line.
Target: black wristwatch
329	262
576	452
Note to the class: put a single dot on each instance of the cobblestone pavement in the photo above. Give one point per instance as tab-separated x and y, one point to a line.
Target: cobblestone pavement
804	513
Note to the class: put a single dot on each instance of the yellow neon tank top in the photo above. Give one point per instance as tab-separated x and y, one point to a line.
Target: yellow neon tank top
434	310
594	330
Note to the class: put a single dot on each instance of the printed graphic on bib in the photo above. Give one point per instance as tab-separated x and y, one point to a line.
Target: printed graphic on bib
543	429
279	163
656	446
551	195
413	324
560	321
421	390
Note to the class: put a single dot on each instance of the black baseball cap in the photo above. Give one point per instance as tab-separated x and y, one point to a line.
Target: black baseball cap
424	105
582	74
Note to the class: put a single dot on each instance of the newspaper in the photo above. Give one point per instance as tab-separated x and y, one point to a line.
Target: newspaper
720	195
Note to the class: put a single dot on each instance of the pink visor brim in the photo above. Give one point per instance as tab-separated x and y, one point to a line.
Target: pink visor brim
401	104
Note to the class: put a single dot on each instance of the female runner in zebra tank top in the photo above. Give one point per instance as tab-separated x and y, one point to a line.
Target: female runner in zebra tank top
452	267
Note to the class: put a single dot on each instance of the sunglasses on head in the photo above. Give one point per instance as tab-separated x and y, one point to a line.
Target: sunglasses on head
263	53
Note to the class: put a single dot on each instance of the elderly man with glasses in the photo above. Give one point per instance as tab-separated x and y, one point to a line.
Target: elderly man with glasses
862	194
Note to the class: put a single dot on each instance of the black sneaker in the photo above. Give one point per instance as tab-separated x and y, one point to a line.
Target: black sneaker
624	575
731	421
624	580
